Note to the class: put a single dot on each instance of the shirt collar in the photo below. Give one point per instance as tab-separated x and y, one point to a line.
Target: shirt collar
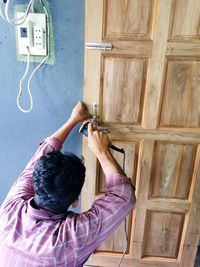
41	213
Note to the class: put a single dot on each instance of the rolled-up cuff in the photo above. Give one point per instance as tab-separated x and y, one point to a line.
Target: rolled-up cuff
54	142
113	180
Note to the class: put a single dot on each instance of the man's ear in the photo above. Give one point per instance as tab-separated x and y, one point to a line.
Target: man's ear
75	203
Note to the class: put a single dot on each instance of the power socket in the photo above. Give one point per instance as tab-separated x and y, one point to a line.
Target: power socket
39	37
32	33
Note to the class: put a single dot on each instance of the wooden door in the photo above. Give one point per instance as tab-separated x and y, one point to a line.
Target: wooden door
148	93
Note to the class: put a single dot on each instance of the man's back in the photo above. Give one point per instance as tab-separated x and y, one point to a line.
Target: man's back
31	236
35	237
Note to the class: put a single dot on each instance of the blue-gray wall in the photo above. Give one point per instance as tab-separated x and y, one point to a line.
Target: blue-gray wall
55	90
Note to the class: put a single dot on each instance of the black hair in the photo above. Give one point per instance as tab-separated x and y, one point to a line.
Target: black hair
58	179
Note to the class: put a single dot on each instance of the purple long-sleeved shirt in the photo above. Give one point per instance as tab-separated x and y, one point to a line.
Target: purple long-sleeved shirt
31	237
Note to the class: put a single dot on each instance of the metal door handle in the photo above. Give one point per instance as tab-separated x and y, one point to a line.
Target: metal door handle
99	46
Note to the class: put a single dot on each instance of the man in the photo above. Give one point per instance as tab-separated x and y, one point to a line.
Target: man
36	227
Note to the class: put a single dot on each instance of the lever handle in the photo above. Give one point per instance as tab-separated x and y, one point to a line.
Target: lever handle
99	46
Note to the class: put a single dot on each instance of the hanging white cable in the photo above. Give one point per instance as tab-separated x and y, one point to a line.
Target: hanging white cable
29	80
125	222
126	247
1	12
34	71
20	20
28	86
20	86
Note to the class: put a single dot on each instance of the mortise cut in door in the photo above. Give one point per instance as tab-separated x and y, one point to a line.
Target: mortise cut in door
148	93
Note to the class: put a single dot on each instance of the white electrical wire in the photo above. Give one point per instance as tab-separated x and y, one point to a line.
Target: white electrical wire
20	20
126	247
20	86
1	13
29	90
34	71
125	227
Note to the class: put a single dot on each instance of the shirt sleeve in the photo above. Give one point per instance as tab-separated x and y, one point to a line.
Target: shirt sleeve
95	225
23	187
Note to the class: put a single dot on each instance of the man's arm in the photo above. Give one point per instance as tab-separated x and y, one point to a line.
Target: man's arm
79	113
106	213
23	187
99	143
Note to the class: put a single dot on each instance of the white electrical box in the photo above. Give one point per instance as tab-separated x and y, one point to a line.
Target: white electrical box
32	34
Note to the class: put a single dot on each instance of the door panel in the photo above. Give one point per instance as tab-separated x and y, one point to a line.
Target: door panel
162	234
117	241
172	170
148	93
131	149
180	90
123	89
185	21
120	22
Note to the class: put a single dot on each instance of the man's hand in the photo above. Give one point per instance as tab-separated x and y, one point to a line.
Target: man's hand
98	142
80	112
